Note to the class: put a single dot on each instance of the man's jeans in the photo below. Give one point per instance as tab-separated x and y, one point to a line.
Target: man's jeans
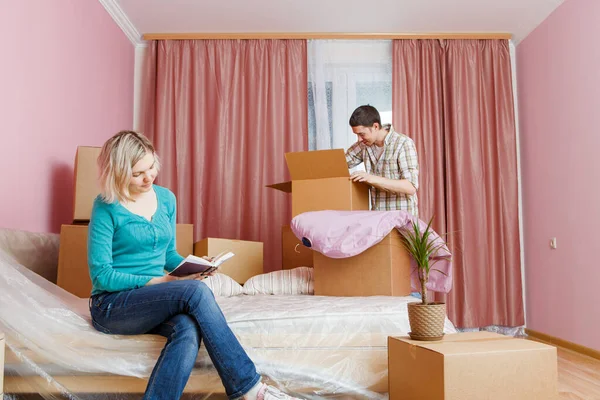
185	312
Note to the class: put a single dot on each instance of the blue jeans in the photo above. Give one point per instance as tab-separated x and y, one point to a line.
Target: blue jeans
185	312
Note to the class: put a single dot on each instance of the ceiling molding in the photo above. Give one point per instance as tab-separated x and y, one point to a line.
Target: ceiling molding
117	14
327	35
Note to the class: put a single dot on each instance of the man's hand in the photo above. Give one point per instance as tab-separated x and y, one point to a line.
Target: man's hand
362	176
403	186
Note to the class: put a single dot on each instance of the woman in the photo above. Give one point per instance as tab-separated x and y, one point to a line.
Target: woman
131	243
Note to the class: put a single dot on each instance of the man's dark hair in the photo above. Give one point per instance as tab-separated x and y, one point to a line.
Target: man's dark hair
365	116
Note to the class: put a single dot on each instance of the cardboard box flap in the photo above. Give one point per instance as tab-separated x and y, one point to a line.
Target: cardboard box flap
284	186
317	164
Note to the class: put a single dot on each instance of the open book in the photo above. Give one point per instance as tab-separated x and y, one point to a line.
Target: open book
194	265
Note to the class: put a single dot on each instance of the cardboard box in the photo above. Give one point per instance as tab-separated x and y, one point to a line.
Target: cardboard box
185	239
294	253
248	260
320	182
471	366
85	186
382	270
73	273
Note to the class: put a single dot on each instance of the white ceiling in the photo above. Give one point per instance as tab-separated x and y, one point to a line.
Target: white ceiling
518	17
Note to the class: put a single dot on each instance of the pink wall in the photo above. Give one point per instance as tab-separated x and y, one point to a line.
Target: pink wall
558	72
66	79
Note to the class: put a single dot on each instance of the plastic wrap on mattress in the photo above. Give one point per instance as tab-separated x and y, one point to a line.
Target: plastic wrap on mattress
314	346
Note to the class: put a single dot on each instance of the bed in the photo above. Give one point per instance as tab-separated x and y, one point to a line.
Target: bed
313	346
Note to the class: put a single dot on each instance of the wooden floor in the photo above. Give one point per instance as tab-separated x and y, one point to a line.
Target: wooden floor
578	376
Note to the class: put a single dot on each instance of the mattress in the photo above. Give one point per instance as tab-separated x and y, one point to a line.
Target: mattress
303	343
315	345
339	343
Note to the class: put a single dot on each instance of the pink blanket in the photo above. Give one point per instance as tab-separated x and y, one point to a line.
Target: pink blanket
340	234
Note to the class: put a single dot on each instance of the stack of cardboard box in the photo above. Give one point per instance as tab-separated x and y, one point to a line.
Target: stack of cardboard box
320	181
73	274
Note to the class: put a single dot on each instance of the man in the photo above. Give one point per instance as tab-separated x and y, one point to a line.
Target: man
390	160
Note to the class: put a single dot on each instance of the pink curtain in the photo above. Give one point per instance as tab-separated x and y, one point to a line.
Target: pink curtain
221	114
455	99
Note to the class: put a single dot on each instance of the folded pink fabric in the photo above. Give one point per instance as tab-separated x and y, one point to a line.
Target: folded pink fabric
340	234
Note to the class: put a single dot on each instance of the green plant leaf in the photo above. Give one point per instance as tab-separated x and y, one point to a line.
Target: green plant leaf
422	247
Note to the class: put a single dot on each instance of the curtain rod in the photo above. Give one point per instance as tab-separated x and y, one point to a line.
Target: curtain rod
325	35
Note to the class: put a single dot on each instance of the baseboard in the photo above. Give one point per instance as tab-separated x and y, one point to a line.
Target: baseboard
563	343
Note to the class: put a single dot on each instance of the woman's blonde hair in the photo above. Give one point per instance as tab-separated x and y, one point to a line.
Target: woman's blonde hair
116	160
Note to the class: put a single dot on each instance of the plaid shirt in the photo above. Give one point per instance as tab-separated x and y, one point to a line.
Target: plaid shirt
398	161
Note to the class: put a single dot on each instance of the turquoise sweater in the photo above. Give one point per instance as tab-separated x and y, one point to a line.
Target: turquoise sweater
126	250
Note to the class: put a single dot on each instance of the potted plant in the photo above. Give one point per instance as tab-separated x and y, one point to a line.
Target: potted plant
426	318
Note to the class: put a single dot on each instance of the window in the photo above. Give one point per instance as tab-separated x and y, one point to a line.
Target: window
343	75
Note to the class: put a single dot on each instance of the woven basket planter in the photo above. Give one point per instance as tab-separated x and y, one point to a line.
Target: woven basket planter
426	320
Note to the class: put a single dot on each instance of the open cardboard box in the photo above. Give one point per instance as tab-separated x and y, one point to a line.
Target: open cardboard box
471	366
320	182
